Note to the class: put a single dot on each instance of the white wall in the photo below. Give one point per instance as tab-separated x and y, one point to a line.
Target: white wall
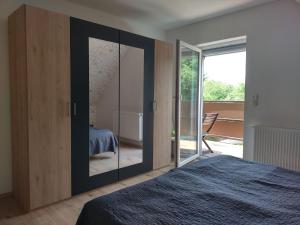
62	6
273	60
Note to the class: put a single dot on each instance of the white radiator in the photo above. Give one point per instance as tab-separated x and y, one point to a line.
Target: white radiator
277	146
131	125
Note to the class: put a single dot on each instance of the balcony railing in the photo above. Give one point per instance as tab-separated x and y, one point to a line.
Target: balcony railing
229	124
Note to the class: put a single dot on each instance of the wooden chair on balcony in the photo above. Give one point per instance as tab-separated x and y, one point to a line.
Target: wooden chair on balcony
208	121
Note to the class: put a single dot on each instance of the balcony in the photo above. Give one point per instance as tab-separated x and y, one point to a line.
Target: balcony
226	136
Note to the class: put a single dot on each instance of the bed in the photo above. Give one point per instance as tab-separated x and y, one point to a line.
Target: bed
220	190
102	140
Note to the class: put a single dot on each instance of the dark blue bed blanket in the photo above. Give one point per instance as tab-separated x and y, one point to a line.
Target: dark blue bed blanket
221	190
102	140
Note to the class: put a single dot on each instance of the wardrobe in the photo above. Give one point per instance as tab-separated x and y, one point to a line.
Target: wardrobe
75	85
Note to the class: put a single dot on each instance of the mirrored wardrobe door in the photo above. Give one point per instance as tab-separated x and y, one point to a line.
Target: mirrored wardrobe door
112	103
95	102
131	105
103	106
136	104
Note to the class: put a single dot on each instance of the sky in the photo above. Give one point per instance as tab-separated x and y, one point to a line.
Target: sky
227	68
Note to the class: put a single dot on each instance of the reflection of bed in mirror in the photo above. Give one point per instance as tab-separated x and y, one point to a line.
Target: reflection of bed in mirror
105	150
102	140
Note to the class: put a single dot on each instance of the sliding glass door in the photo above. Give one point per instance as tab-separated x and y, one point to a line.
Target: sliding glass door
188	103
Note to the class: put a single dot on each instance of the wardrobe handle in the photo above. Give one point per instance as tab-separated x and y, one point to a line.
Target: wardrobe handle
68	108
154	105
75	109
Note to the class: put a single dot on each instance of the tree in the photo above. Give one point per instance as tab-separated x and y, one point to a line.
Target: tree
238	93
189	78
213	90
218	91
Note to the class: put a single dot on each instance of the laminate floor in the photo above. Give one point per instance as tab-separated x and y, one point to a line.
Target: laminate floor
66	212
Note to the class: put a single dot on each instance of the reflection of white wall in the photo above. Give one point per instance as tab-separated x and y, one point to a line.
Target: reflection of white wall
132	80
104	85
106	104
103	65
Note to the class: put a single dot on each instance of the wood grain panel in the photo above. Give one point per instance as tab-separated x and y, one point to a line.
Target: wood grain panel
163	97
48	47
19	110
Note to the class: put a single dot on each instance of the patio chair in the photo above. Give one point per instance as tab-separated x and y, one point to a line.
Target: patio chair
208	120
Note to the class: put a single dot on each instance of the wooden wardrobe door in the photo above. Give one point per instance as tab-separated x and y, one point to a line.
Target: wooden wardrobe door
19	109
163	97
48	45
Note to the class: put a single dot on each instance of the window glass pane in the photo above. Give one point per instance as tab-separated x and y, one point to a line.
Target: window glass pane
189	98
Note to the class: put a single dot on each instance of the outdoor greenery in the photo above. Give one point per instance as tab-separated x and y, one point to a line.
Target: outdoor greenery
189	79
213	90
218	91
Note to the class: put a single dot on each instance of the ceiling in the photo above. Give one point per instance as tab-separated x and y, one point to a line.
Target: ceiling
166	14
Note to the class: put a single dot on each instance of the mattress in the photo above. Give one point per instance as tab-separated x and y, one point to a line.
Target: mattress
220	190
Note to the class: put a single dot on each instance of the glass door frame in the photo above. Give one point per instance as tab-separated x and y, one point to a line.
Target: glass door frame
180	44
